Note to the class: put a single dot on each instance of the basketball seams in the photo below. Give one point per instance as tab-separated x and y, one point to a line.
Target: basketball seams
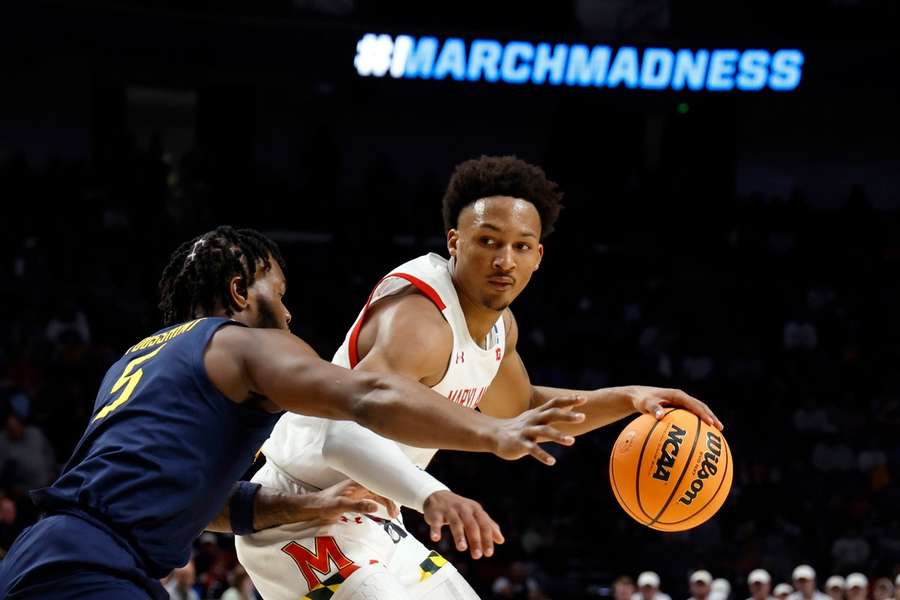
637	475
727	456
687	465
637	479
618	494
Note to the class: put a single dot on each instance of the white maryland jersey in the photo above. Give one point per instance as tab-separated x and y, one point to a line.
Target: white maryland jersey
295	445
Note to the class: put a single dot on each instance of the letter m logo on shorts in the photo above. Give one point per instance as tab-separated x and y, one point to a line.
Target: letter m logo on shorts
320	561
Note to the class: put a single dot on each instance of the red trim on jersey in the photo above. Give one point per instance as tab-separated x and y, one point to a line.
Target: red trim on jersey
423	287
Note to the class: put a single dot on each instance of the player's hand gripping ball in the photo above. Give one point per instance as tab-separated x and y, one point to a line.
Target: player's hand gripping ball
672	474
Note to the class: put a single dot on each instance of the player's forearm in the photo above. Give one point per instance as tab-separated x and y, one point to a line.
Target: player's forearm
377	463
603	406
271	508
408	412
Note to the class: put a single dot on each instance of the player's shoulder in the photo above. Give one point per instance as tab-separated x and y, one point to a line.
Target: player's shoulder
410	314
409	323
237	339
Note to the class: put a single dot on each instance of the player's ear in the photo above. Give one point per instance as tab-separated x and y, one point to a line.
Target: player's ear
237	289
540	250
452	241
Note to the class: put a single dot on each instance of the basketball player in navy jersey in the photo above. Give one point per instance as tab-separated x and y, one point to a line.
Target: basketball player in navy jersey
179	417
446	324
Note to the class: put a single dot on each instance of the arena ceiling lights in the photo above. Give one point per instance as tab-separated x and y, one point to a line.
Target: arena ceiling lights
578	65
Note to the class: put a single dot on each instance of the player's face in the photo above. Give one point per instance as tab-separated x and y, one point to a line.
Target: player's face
497	249
265	305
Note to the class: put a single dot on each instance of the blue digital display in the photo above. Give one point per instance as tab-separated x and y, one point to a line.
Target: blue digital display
629	67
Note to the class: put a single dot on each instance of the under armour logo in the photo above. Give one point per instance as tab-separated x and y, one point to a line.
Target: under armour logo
460	357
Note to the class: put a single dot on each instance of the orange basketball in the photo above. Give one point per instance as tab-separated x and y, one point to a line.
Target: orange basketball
672	474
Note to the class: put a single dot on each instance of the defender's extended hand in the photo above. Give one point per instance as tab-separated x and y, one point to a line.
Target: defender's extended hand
328	505
519	436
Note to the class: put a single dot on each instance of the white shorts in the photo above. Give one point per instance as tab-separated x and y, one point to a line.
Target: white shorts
305	560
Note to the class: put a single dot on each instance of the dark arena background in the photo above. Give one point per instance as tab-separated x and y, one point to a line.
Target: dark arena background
731	228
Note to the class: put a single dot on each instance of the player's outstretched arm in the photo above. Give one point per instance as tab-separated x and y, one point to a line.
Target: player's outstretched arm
272	507
242	362
512	392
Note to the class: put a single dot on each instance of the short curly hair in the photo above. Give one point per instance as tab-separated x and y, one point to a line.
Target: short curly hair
501	176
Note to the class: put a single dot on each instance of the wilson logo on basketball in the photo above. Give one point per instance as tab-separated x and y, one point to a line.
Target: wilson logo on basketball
670	448
709	467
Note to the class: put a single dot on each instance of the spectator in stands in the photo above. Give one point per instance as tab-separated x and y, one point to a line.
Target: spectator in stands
623	588
804	577
760	583
782	591
834	587
241	586
701	585
181	583
518	584
883	589
26	457
648	587
9	527
857	586
720	589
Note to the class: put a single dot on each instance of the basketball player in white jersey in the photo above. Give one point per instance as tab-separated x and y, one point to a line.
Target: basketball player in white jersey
447	325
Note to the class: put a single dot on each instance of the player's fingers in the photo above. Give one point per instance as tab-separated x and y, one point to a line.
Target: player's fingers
546	433
363	506
458	532
558	415
485	523
473	533
698	407
387	503
435	521
496	534
565	401
656	409
539	453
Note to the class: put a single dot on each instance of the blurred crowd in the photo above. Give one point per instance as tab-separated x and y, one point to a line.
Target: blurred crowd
777	314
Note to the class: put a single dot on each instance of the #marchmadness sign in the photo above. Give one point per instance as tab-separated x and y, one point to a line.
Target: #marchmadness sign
578	65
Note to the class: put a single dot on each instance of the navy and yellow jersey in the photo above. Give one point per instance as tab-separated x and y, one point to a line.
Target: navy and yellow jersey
163	448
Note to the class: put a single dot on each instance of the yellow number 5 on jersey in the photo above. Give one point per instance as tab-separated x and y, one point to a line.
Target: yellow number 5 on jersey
129	380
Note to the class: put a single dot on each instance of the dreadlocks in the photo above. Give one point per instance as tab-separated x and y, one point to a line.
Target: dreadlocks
196	278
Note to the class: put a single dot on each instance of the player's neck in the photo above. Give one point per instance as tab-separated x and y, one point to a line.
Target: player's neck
479	318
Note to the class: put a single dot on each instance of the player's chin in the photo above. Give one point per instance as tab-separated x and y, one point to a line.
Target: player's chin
497	304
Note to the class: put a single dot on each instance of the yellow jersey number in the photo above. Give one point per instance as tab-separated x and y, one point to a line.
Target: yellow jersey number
130	377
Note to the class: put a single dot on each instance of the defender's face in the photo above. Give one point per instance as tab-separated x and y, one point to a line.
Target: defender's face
265	305
497	249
